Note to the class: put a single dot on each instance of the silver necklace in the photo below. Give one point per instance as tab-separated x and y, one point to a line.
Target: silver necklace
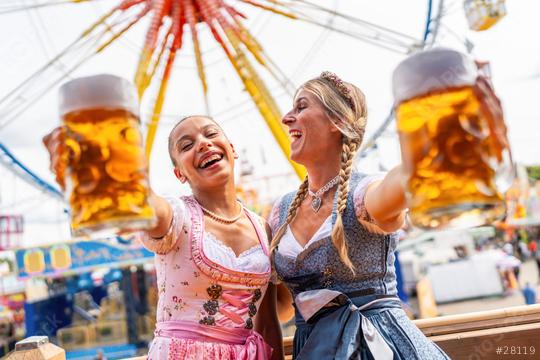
220	219
316	202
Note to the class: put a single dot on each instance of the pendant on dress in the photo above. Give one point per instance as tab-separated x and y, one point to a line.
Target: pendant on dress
316	204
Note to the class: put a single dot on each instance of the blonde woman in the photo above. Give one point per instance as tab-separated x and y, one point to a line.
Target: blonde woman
334	238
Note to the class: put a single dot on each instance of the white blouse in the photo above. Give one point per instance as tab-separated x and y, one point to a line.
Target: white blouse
253	260
288	246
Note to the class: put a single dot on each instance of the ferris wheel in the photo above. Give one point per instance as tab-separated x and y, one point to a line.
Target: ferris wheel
173	23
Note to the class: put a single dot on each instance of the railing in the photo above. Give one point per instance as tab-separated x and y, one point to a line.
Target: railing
481	335
476	336
513	331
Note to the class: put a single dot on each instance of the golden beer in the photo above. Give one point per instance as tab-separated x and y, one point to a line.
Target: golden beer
107	181
454	149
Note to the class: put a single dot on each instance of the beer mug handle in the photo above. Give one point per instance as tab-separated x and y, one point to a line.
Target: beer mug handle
490	105
55	144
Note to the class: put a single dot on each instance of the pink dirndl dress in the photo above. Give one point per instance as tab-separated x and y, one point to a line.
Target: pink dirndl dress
208	296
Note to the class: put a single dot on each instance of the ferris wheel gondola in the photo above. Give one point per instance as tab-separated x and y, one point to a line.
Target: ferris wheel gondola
483	14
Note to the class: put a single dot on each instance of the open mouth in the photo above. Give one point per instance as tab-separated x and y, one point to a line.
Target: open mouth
295	134
210	160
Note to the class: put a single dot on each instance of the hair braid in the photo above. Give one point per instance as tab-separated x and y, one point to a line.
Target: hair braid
338	234
297	201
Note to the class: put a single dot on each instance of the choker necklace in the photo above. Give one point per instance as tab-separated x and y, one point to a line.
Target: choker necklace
220	219
316	202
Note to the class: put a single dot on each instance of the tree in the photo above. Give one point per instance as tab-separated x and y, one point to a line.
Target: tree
533	172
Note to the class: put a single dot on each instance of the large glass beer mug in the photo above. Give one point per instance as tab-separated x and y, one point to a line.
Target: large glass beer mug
106	176
453	141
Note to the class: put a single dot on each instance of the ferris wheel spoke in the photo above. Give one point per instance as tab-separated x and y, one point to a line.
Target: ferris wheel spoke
358	20
378	38
142	74
38	84
158	104
207	18
168	18
62	65
389	39
232	45
173	42
400	48
75	44
10	7
369	143
263	100
11	163
255	48
265	103
192	24
158	58
270	8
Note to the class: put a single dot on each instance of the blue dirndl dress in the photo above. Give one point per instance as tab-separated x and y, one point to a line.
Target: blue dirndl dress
341	315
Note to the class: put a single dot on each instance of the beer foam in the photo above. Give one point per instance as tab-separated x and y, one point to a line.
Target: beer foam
432	70
98	91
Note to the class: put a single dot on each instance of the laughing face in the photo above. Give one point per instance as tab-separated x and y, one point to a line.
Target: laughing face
202	154
311	131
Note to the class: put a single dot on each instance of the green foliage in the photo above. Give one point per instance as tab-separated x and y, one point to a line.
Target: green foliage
534	172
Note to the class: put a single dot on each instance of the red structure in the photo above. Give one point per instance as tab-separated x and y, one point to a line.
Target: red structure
11	229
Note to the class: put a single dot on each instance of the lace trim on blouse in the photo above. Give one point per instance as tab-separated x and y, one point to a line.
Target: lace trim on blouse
212	269
251	260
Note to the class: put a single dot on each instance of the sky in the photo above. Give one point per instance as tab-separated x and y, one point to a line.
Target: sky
30	39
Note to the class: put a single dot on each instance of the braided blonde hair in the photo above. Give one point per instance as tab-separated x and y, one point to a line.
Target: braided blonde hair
348	113
291	213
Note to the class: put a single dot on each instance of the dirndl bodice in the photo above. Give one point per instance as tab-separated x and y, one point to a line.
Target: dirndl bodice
345	315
